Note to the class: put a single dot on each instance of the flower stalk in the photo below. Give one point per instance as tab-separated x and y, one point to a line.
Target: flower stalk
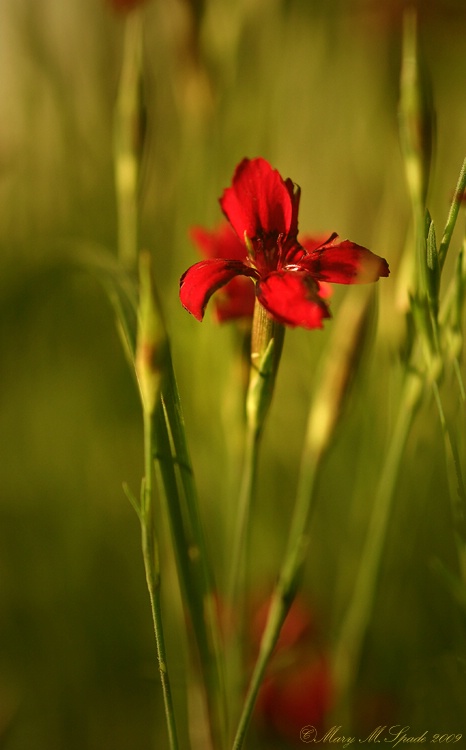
266	346
342	362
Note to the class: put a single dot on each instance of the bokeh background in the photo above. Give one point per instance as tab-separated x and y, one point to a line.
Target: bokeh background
311	85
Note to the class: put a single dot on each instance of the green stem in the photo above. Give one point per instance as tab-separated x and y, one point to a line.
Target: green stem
152	569
194	570
279	608
348	649
246	495
237	581
325	413
452	215
458	494
266	347
284	593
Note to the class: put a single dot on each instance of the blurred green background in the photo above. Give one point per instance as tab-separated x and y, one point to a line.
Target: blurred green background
311	85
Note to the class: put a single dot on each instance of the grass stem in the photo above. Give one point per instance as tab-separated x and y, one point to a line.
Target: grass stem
349	646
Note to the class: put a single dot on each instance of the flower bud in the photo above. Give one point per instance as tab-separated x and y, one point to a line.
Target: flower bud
152	341
433	271
416	114
350	335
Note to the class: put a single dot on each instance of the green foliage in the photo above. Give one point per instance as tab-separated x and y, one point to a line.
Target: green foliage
313	87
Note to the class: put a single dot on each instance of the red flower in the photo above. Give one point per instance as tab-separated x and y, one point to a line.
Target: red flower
262	208
236	299
298	689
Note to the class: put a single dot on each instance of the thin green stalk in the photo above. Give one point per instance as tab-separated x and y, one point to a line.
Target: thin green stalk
349	645
284	592
451	446
416	114
246	495
291	570
452	215
194	573
175	420
159	396
347	345
459	379
237	581
266	346
152	569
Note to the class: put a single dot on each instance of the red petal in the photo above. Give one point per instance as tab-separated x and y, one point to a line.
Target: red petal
200	281
325	289
299	626
344	263
260	202
291	297
312	242
299	696
295	195
221	242
305	246
235	300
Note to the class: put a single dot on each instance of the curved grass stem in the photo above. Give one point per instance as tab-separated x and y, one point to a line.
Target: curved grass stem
349	645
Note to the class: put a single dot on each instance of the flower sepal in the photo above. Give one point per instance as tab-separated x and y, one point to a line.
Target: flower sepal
261	388
432	270
266	349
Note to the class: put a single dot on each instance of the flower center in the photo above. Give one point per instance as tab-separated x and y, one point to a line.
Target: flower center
267	252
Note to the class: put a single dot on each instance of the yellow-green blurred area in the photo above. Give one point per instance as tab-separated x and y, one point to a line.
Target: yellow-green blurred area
312	86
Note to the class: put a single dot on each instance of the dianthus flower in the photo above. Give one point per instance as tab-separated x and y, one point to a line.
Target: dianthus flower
236	299
262	208
298	688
